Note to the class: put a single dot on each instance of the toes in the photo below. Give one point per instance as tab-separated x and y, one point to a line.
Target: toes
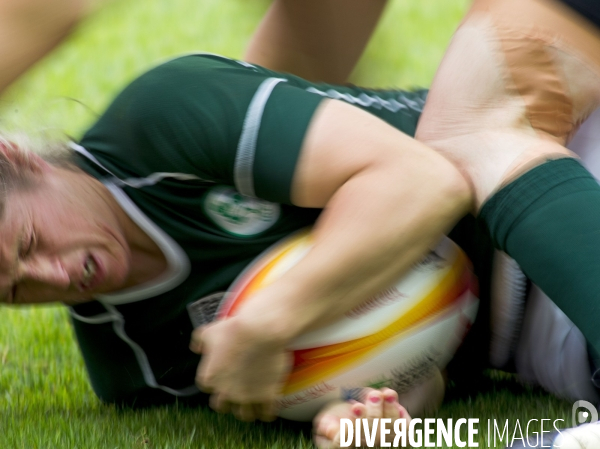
323	425
389	395
374	404
327	425
403	414
390	403
324	443
330	431
359	410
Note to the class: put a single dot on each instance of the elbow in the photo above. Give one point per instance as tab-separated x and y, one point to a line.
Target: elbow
456	188
440	185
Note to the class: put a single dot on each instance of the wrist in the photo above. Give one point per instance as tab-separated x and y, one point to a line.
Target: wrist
265	331
276	315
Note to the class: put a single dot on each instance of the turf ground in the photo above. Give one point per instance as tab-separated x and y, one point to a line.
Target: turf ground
45	400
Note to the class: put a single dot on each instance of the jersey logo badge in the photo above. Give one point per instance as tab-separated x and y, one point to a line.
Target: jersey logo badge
237	214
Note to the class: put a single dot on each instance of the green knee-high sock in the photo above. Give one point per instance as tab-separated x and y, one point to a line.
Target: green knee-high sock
548	220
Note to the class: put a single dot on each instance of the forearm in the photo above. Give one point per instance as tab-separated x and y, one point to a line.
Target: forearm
378	223
320	40
31	28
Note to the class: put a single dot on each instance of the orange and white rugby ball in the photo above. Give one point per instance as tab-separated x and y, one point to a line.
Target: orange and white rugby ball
395	338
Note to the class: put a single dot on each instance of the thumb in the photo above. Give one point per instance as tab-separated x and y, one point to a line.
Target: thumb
196	340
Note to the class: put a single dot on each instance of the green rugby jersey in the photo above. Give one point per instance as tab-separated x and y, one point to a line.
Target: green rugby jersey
200	152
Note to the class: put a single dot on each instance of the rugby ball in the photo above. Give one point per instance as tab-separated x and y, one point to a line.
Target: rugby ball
395	338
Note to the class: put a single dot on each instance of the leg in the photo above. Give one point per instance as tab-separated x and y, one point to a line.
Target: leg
31	28
320	40
528	87
519	101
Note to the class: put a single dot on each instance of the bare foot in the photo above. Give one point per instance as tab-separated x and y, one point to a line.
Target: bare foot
381	403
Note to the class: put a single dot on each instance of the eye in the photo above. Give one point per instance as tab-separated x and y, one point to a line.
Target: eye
27	245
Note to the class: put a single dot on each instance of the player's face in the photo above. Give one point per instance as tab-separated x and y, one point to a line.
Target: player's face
59	243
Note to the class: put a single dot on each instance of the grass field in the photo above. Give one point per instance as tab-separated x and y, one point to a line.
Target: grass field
45	399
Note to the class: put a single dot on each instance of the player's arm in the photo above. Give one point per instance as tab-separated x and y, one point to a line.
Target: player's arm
319	40
31	28
387	199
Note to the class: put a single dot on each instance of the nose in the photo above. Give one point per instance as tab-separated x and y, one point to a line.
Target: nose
46	270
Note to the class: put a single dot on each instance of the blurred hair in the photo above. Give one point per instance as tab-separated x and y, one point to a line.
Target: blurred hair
18	172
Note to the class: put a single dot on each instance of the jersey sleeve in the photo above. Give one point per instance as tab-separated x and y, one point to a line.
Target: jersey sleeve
218	121
226	122
285	120
266	158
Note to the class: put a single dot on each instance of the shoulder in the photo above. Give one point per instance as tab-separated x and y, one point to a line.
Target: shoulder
189	78
195	66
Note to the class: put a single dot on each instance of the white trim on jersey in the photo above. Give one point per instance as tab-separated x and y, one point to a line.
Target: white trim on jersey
178	268
113	315
177	260
178	264
371	101
96	319
246	150
136	183
155	178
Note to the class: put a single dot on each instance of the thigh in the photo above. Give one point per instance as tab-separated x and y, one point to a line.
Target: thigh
509	92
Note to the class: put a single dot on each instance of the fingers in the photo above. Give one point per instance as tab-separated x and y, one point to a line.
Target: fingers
268	411
219	403
244	412
200	380
204	381
223	403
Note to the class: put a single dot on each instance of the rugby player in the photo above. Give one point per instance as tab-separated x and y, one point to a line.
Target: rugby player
518	330
348	28
149	215
153	217
194	169
533	78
